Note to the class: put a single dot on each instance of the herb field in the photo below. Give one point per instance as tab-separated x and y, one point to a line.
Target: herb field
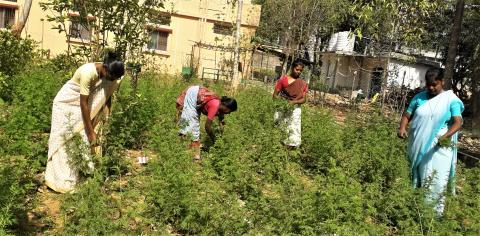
345	179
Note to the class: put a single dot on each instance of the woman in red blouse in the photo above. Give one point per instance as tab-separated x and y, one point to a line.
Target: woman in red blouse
196	100
294	89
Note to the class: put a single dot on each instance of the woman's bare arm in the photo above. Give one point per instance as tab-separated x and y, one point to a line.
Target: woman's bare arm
87	121
456	126
402	131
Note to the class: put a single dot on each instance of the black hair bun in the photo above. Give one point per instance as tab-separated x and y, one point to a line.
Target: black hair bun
110	57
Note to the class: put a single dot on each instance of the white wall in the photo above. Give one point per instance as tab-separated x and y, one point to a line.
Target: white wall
412	75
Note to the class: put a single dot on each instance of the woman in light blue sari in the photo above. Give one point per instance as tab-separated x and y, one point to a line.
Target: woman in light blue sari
435	118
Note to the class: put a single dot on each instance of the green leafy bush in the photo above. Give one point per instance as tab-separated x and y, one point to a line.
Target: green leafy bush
15	183
24	128
28	118
15	56
345	179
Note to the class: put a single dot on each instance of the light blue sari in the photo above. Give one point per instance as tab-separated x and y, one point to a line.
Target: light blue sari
190	119
433	166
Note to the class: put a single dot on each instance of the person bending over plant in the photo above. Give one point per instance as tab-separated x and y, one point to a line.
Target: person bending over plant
196	100
435	116
77	108
294	90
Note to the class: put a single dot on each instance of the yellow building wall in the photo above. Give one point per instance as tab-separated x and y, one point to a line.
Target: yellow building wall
191	21
39	29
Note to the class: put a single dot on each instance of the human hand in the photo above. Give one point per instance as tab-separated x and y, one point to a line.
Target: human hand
445	142
402	133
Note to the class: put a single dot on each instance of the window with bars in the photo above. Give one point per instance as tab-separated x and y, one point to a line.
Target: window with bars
80	31
158	40
222	29
7	17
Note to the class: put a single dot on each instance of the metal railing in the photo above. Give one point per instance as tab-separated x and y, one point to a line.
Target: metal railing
217	73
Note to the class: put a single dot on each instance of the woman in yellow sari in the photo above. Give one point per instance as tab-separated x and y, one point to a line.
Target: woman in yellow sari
76	109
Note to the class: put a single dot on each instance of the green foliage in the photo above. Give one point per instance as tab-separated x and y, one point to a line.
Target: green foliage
24	127
15	56
15	184
63	63
295	21
78	152
394	23
263	72
350	178
135	111
126	19
283	107
15	53
317	83
446	143
96	214
28	117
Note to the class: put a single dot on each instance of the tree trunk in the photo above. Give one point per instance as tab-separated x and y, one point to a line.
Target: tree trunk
286	53
18	27
236	77
476	95
452	46
476	109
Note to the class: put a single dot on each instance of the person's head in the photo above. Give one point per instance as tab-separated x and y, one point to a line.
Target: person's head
434	81
227	105
297	68
114	67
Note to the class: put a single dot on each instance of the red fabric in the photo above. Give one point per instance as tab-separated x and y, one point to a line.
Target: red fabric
181	98
211	108
205	95
282	85
207	102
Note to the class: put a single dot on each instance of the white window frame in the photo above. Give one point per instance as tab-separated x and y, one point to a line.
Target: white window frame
159	29
79	37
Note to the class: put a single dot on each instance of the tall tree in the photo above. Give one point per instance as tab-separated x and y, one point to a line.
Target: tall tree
128	20
453	45
291	23
236	78
390	24
18	27
476	94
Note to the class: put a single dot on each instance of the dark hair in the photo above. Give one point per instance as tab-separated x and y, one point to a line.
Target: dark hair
109	57
229	102
297	63
434	73
113	64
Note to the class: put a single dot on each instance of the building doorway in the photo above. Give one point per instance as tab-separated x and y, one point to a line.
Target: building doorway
376	81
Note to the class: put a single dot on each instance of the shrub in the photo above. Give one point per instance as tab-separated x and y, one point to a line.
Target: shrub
29	116
350	178
24	127
15	184
15	55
